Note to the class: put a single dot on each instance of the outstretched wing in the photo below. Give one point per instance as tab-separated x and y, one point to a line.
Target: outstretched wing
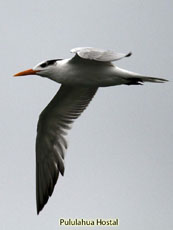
53	124
98	54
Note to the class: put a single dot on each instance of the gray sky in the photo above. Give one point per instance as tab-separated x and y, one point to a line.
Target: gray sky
119	161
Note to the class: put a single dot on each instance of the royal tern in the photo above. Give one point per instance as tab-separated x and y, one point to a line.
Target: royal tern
80	77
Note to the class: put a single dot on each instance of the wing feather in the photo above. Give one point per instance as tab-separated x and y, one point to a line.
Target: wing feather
99	54
51	144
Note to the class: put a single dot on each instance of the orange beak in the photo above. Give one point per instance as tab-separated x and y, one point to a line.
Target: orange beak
26	72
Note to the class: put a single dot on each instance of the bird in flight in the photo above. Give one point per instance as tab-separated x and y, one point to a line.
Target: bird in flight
80	77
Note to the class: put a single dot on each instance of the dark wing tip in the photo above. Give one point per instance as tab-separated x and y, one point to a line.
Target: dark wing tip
44	192
41	204
129	54
62	172
39	207
38	210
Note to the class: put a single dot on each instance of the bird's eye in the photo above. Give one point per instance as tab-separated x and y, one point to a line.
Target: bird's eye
43	64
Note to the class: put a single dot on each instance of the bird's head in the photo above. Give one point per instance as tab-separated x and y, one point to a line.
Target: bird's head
44	69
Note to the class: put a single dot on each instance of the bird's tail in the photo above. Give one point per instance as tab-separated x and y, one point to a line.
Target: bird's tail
139	80
131	78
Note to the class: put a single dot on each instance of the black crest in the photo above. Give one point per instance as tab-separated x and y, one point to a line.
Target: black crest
49	62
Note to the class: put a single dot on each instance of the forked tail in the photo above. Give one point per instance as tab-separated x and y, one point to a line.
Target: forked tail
140	80
131	78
